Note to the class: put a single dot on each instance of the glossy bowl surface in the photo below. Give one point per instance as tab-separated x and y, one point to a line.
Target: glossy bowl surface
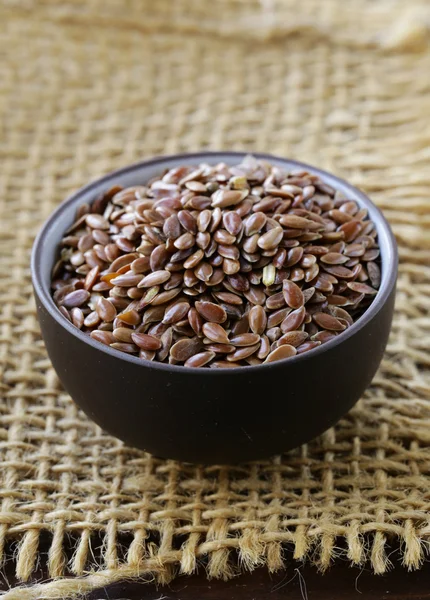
212	415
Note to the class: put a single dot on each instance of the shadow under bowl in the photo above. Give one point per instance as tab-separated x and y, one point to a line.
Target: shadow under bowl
212	415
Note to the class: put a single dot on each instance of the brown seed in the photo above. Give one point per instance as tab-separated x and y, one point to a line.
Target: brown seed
242	353
274	333
275	301
350	230
239	282
323	336
166	340
334	258
122	347
293	338
293	294
361	288
306	346
371	254
294	256
349	207
211	249
123	334
190	279
293	320
203	240
279	258
297	274
77	317
354	250
337	300
211	312
222	236
215	219
200	360
220	348
250	244
105	310
374	273
216	277
224	198
230	252
193	260
341	314
203	271
184	349
75	298
91	278
229	298
264	349
129	279
232	222
176	313
195	321
203	220
230	267
105	337
339	271
271	239
199	202
255	295
77	259
222	364
185	241
339	216
323	283
145	341
245	339
149	297
275	318
159	258
156	278
163	297
295	222
281	352
130	316
255	223
146	354
257	319
187	221
241	325
172	227
141	265
215	333
328	322
96	221
153	314
92	319
308	294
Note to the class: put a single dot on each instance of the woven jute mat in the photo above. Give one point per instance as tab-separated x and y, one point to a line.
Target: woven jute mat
91	85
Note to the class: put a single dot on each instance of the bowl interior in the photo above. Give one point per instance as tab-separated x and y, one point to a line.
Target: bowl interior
45	249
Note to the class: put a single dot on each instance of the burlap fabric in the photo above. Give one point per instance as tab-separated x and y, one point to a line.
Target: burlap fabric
88	86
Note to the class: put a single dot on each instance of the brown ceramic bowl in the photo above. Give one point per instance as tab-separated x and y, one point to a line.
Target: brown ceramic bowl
212	415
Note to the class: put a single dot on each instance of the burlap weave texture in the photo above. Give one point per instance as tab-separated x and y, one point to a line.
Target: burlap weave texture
90	86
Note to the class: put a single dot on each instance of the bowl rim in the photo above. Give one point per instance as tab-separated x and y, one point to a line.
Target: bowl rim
385	236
